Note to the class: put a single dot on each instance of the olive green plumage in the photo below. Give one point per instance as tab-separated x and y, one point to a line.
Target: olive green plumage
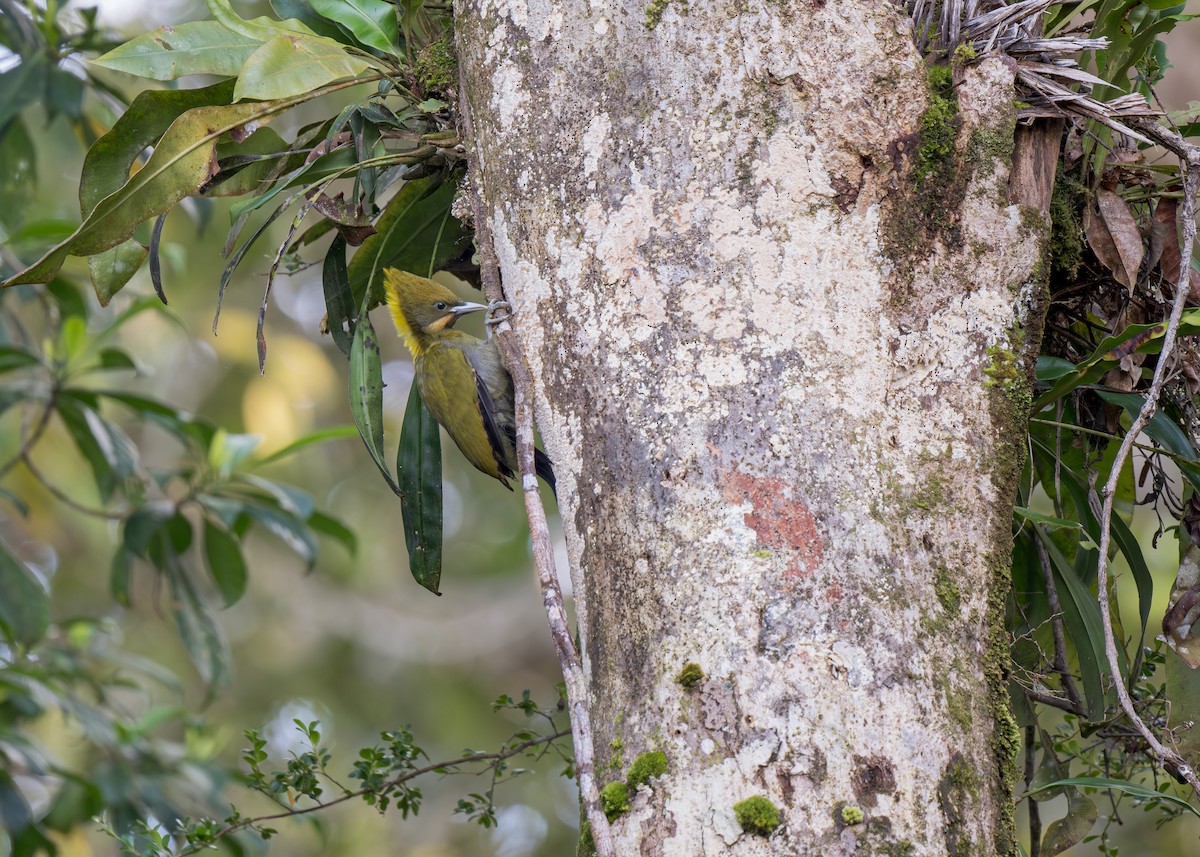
461	378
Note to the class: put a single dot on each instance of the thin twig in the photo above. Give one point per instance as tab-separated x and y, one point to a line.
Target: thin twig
1189	163
543	550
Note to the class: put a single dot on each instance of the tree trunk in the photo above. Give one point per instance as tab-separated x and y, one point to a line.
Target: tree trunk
781	341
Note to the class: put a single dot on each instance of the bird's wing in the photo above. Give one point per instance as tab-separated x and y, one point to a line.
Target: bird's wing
487	409
450	389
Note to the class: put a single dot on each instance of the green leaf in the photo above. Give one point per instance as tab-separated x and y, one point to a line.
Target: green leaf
16	358
1135	339
19	174
1084	626
120	576
291	65
287	528
1070	830
1127	542
225	562
23	85
1132	789
24	603
329	526
180	423
112	269
198	628
366	393
322	436
1039	518
170	52
372	22
419	473
260	29
108	450
179	166
303	12
339	300
416	232
245	166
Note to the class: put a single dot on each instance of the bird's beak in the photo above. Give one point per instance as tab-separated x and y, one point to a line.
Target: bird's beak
464	308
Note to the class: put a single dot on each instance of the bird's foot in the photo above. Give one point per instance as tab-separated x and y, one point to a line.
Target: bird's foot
498	312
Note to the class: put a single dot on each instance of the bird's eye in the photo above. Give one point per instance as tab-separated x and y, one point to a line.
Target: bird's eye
440	305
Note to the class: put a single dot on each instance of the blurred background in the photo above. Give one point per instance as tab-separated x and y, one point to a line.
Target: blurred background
355	643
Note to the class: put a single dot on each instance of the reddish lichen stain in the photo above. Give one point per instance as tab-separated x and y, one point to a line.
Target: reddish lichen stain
778	517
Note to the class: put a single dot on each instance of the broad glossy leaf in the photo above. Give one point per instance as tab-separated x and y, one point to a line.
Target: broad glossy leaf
24	603
419	474
181	163
225	562
180	423
16	358
416	232
261	29
170	52
291	65
366	393
372	22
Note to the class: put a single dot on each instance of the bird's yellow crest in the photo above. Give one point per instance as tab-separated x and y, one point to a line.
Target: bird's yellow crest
417	304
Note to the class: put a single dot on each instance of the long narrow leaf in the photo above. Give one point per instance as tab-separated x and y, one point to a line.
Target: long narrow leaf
366	394
419	472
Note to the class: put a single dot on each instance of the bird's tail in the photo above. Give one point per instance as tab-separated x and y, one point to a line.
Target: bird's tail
541	464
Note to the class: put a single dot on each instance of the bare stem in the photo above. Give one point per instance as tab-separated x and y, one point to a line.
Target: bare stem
543	550
1189	162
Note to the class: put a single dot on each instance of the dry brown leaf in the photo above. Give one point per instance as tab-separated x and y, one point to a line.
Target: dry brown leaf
1168	262
1115	239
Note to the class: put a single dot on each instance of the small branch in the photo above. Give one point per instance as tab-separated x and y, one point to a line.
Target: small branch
498	756
1035	817
1189	162
1056	627
543	550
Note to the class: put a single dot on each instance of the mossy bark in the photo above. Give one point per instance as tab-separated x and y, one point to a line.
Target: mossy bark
783	393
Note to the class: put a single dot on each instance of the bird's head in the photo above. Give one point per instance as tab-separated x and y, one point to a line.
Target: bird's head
421	308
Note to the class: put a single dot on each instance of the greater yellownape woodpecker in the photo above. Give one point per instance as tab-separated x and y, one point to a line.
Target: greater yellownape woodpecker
461	378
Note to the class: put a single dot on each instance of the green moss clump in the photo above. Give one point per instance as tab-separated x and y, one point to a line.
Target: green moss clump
587	845
617	760
654	11
939	125
1067	204
757	815
964	54
946	589
690	676
437	67
852	815
614	799
646	767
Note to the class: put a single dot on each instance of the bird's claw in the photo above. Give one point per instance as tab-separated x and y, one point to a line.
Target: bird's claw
497	313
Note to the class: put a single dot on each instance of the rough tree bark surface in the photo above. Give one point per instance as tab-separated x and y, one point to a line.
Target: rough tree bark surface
783	381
